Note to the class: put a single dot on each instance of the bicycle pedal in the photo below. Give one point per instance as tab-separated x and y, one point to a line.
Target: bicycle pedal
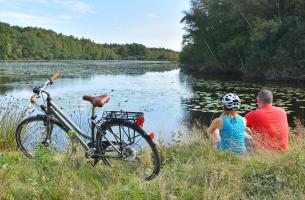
46	143
90	153
93	162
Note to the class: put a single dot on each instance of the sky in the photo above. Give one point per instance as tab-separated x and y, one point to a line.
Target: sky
154	23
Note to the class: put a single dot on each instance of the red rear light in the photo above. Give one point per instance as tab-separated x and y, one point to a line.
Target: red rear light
152	136
140	121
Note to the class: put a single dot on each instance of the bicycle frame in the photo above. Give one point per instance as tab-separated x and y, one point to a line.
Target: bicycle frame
53	109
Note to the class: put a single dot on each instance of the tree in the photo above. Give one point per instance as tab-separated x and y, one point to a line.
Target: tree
38	43
251	36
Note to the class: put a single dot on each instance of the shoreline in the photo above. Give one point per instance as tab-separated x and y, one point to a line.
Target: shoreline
220	73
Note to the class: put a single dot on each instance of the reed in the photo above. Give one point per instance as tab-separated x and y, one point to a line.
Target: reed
11	114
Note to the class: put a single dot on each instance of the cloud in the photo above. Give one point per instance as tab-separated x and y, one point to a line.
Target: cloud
73	5
152	15
79	6
157	34
26	19
14	1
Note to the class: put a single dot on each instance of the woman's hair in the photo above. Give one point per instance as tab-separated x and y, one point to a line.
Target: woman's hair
227	111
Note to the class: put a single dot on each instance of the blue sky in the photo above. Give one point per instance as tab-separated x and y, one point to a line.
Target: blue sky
154	23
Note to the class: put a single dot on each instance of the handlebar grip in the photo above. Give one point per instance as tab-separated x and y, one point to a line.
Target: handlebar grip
34	98
55	76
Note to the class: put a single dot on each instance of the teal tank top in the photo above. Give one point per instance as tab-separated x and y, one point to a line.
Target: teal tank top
233	135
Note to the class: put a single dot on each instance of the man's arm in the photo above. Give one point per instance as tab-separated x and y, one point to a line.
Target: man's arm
248	132
249	118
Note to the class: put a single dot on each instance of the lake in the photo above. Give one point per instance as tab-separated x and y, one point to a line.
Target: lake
170	99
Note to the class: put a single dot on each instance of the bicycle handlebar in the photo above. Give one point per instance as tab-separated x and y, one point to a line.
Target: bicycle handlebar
40	89
54	76
34	98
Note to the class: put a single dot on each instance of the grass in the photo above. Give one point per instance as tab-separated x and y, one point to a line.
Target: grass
10	116
191	169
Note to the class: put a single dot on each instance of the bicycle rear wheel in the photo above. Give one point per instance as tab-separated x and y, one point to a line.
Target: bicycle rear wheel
122	143
39	130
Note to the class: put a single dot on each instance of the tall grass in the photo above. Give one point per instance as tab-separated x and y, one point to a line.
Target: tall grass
191	169
11	114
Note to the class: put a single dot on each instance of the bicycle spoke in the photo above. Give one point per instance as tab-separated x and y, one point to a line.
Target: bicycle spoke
136	154
34	132
115	135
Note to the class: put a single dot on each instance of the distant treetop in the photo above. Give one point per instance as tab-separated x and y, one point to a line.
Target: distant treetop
40	44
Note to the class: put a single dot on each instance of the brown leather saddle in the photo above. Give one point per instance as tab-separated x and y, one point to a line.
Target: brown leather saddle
97	101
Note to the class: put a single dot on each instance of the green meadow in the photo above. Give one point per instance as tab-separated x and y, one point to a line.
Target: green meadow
191	169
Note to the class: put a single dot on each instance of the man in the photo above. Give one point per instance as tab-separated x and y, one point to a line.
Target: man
268	124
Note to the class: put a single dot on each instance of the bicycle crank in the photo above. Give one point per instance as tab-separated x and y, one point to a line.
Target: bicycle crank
90	153
46	143
129	153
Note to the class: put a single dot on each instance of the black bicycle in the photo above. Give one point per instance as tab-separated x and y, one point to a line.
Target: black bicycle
116	138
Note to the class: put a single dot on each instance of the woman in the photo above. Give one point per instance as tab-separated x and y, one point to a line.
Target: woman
229	130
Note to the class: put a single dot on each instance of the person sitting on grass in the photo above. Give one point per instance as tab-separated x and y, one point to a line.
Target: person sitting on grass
268	124
229	130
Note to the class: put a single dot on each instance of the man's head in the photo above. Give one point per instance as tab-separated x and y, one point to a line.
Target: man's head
264	97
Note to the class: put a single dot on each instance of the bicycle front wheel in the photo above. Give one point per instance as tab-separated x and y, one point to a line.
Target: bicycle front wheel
122	143
42	131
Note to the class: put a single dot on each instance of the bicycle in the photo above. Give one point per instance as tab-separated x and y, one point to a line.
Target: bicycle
114	137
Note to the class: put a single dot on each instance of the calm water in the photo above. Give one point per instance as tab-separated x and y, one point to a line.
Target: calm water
169	98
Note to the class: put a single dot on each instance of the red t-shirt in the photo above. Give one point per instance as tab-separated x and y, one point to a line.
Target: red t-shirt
270	127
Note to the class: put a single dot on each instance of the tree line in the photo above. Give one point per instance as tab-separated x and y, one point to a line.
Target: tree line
37	43
253	37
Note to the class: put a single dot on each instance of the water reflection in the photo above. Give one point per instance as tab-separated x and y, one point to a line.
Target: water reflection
4	80
157	94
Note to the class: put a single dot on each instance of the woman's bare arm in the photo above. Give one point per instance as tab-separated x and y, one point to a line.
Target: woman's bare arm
214	128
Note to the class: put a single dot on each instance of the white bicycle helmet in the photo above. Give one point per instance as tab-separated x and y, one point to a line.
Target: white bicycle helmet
231	101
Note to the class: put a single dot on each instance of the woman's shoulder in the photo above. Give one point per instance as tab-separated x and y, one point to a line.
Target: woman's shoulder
218	119
241	117
230	117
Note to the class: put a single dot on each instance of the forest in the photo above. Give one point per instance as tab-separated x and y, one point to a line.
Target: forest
254	38
31	43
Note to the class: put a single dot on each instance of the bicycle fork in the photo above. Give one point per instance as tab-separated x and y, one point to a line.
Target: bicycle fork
49	128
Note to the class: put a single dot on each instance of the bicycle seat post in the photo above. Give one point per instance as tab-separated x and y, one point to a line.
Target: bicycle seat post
93	113
93	117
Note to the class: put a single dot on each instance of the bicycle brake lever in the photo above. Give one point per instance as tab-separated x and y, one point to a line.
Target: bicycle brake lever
36	90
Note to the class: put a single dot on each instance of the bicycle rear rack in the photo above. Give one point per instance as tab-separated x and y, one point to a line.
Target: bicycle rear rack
130	116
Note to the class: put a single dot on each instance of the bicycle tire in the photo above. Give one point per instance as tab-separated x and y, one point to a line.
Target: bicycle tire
29	150
103	145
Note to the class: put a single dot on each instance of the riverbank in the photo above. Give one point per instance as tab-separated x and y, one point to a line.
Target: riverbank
191	169
272	75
